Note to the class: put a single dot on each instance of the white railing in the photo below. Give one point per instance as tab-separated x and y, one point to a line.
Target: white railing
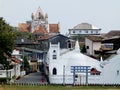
81	80
60	79
7	73
94	79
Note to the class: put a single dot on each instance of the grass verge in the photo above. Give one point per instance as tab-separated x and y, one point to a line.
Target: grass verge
58	87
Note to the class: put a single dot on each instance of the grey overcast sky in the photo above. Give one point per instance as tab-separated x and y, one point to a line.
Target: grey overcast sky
104	14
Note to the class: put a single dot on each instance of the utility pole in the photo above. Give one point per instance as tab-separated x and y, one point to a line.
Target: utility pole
23	56
63	74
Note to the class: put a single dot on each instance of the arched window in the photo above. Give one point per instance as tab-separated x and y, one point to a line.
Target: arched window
54	51
69	44
54	71
117	72
73	31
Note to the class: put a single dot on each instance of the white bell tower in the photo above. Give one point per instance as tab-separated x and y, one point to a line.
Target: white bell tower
54	52
53	55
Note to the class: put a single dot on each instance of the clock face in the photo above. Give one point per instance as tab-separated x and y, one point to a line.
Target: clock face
35	23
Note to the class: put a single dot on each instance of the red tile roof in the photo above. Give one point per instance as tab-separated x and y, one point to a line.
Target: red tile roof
16	60
40	30
24	27
54	28
94	71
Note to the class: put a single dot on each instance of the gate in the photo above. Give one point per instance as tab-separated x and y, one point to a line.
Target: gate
80	69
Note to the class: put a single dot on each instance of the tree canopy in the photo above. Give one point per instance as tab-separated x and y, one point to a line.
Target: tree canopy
7	41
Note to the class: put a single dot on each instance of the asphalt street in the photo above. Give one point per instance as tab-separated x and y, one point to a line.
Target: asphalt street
32	79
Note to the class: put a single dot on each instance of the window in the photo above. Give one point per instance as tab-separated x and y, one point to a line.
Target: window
86	31
69	44
54	51
87	47
54	71
91	31
22	40
54	57
76	76
96	32
73	31
117	72
80	31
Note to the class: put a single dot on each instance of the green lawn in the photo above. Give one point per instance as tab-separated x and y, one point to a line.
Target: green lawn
57	87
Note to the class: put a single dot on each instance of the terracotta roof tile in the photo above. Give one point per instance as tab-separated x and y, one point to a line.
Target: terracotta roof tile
16	60
54	28
94	71
24	27
40	30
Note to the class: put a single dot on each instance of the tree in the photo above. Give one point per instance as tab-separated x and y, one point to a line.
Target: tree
83	49
26	63
7	41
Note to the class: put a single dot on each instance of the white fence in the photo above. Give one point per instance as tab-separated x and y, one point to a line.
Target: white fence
80	80
10	73
60	79
7	73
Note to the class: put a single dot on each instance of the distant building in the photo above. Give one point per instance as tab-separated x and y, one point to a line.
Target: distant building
111	70
39	24
112	38
112	33
39	19
84	29
16	61
69	67
13	69
64	41
114	41
93	44
59	64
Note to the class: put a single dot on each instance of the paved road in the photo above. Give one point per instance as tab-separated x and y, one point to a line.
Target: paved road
32	79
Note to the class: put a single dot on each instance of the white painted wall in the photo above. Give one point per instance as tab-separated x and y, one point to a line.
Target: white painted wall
96	46
3	73
111	71
71	58
89	43
80	31
17	70
52	62
7	73
92	46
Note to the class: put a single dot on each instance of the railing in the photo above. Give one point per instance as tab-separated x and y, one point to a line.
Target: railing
6	73
80	80
30	83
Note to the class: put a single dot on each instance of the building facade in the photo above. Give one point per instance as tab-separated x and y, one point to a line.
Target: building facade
64	41
39	19
84	29
93	44
60	62
104	72
39	24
